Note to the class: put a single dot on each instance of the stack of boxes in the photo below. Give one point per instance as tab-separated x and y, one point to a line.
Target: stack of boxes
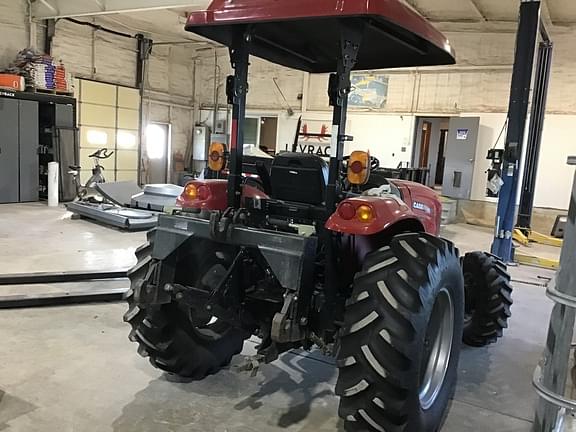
40	72
61	78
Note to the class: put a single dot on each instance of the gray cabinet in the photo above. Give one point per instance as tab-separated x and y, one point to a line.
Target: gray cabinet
64	116
28	145
9	190
18	150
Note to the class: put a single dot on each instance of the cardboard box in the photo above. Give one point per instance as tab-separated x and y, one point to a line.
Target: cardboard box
12	82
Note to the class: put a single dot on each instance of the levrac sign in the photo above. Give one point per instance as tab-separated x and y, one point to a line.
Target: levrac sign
314	138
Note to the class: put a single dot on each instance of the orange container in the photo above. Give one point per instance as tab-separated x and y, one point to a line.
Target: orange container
12	82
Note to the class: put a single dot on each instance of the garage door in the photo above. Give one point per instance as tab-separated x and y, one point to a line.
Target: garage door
109	117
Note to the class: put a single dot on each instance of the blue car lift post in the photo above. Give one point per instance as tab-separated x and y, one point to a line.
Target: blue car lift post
528	28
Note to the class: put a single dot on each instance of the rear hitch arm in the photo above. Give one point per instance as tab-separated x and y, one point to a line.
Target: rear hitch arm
223	301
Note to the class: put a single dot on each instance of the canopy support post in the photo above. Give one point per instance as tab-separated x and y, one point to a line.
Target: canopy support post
339	89
236	90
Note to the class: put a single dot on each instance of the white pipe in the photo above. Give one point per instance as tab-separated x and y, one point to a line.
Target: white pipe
53	177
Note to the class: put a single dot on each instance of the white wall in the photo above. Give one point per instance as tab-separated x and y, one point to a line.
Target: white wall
14	31
490	126
387	137
555	177
101	56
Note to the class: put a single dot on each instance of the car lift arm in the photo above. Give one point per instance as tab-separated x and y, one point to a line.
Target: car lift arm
542	80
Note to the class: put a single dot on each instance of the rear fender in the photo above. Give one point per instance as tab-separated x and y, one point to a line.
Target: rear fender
387	211
423	202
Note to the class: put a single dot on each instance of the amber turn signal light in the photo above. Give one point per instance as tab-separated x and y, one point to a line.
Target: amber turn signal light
217	156
359	168
364	213
191	192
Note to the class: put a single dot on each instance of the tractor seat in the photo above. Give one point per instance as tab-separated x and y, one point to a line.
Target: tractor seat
299	177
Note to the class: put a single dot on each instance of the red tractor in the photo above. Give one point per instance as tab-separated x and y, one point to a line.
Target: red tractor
312	258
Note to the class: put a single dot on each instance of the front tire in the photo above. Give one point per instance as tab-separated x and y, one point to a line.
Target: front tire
170	335
488	298
400	342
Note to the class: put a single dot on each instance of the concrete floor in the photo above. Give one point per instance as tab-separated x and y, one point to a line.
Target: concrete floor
67	369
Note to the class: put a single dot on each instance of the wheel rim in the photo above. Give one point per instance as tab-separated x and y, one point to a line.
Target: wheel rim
438	347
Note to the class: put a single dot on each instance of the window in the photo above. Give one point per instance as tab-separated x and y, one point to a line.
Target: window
109	117
251	131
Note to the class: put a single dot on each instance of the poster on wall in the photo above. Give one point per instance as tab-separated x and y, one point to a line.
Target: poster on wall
369	90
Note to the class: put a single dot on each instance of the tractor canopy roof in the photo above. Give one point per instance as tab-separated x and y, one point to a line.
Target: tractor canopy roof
305	34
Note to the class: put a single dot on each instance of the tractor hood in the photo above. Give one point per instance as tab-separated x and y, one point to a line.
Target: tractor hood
305	34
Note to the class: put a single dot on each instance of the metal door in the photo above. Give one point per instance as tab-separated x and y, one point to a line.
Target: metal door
64	116
8	150
28	144
460	154
66	153
157	152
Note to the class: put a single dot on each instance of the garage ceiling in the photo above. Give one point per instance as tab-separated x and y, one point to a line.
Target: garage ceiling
43	9
555	12
164	19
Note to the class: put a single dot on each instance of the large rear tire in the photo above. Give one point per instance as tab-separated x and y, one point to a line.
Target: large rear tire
172	338
488	298
400	342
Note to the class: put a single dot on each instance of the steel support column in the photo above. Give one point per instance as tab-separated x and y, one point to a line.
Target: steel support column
552	373
144	49
517	112
539	99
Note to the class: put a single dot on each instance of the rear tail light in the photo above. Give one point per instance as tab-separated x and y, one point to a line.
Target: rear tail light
203	193
348	211
190	192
